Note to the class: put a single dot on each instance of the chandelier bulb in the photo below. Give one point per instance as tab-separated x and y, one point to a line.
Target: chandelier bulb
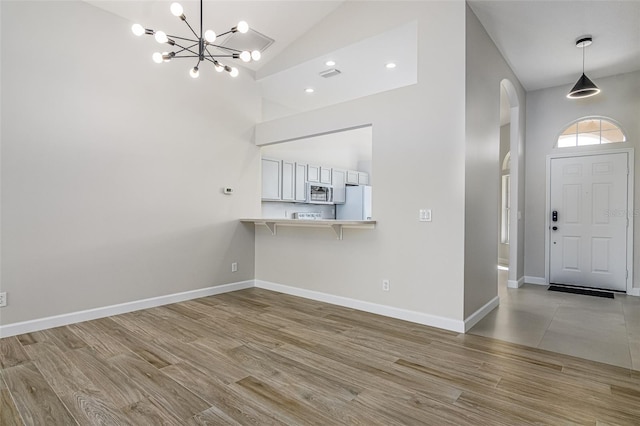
234	72
157	57
210	36
161	37
256	55
137	29
194	72
245	56
218	66
166	56
176	9
242	27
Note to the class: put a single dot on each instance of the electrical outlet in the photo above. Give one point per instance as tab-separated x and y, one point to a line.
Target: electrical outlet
234	267
385	285
3	299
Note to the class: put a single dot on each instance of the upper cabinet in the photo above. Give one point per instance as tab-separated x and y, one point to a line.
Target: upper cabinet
352	177
338	182
271	179
288	180
325	175
301	182
313	173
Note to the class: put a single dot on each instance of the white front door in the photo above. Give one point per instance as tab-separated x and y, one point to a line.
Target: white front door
588	226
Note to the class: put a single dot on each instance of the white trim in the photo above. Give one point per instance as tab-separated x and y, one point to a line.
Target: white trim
503	262
475	317
630	200
634	292
389	311
107	311
515	283
536	280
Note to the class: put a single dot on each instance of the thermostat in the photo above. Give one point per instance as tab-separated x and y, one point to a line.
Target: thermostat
227	191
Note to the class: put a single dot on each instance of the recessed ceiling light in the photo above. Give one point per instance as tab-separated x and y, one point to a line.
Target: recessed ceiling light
309	90
330	63
390	65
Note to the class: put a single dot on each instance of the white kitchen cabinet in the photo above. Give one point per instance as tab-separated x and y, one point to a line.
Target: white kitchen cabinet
313	173
325	175
301	183
288	180
363	178
352	177
271	179
338	180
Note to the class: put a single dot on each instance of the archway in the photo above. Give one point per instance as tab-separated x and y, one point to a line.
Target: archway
516	223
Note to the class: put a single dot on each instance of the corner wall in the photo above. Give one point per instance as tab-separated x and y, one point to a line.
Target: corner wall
112	166
485	69
548	113
418	161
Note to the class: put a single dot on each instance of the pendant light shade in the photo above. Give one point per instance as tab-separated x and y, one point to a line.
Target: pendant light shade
584	87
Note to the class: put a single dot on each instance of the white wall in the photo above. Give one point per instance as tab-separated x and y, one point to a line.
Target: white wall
418	159
112	166
548	113
343	150
485	69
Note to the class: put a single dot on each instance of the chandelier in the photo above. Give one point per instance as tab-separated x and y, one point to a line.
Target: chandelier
198	47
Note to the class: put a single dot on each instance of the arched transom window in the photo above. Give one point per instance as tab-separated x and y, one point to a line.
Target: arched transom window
591	131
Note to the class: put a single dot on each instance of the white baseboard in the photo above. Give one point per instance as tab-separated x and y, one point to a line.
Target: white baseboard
475	317
515	283
107	311
374	308
634	292
535	280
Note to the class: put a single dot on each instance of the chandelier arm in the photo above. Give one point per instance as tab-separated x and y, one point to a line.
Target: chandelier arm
211	55
225	48
188	25
182	38
219	56
225	33
183	48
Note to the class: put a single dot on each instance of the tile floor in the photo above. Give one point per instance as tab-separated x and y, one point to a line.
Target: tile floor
594	328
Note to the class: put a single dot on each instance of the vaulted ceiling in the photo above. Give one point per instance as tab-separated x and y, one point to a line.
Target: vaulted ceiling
537	38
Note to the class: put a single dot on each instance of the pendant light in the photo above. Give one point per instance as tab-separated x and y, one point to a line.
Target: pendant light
584	87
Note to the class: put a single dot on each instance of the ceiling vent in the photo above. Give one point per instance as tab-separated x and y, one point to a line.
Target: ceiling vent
251	40
329	73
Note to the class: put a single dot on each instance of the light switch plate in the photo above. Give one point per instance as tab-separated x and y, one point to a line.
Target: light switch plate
424	215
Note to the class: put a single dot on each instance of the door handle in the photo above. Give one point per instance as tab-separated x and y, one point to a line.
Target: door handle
555	228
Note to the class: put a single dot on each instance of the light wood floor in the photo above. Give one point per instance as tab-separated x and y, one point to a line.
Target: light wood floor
258	357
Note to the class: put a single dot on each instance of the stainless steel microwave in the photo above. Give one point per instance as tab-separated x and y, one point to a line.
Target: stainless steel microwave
319	193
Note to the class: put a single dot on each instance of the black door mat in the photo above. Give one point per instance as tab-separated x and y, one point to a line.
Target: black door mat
584	291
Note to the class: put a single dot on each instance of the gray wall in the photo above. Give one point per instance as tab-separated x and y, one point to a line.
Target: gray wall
548	113
505	146
418	159
112	166
485	69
